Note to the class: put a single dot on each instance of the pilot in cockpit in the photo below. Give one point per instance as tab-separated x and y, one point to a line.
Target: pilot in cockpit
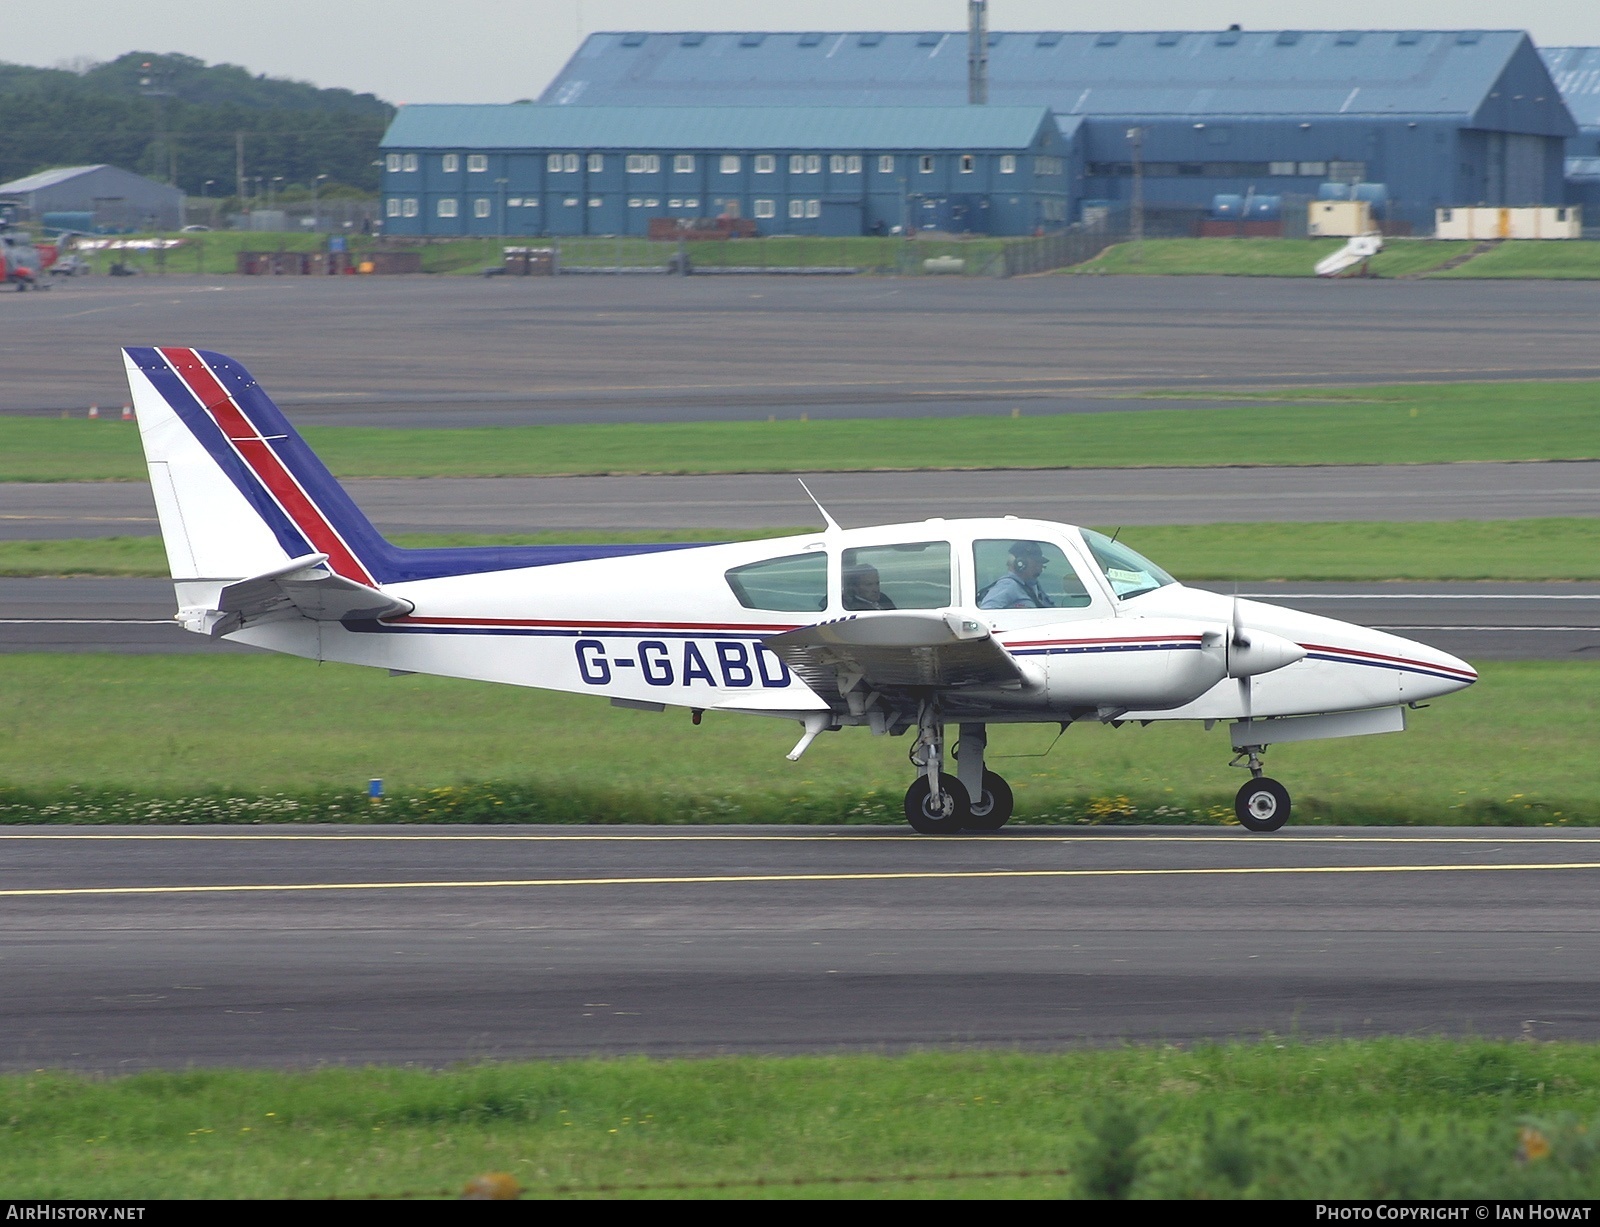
862	589
1019	587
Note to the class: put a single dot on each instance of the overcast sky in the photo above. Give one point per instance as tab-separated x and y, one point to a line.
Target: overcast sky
502	50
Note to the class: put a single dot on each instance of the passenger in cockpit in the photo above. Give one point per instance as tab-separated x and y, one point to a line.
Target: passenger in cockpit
1019	587
862	590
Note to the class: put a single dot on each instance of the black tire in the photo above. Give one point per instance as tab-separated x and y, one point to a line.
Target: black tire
1262	805
925	819
992	810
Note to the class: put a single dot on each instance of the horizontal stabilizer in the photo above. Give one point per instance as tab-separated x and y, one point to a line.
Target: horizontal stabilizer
891	650
303	587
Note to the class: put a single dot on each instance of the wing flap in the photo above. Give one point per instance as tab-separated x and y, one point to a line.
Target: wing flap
897	650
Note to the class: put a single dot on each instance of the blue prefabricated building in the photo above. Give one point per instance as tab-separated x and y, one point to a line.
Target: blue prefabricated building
1576	72
525	169
1440	117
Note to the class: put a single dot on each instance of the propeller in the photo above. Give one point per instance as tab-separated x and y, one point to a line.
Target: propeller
1248	652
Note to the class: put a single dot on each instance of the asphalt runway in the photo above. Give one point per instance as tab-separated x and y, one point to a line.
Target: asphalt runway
122	950
419	349
1479	622
30	511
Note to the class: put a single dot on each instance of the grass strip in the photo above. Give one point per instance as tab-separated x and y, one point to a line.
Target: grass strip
258	738
1405	424
1529	259
1264	257
1391	1118
1547	549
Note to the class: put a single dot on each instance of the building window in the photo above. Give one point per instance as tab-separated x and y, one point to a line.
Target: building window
597	163
764	208
1008	164
968	164
836	164
447	206
730	164
813	208
683	163
925	164
409	162
797	163
813	163
477	163
675	203
1047	166
553	164
530	202
594	202
852	164
571	202
635	164
569	163
392	163
514	203
391	207
644	163
408	207
886	164
797	208
480	207
765	164
450	163
635	203
1280	168
650	202
692	203
1317	169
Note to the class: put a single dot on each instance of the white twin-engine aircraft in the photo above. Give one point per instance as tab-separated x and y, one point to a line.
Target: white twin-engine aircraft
898	628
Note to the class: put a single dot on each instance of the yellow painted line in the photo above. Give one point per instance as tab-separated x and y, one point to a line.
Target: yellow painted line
736	879
1232	835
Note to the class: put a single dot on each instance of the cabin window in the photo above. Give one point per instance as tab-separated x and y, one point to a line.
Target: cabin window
1022	574
796	583
912	576
1129	572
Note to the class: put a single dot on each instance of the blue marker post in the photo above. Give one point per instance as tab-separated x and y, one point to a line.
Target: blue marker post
375	791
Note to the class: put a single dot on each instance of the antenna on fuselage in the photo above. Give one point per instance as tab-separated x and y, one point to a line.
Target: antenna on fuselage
833	524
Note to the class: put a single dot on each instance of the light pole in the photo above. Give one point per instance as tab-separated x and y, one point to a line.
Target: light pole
502	223
1136	220
316	211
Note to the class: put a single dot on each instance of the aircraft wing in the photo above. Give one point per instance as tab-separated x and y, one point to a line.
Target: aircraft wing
896	650
303	587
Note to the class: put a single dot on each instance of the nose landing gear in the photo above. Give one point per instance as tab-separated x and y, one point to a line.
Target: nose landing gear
1263	803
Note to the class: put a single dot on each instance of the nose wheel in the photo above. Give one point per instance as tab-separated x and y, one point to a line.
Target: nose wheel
941	813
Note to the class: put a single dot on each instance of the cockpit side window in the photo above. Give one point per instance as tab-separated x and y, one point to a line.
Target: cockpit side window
911	576
1130	573
795	583
1016	574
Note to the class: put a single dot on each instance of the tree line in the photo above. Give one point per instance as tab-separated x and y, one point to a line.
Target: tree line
177	119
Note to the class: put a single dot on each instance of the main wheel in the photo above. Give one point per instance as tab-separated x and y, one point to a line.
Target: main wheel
1262	805
946	817
991	810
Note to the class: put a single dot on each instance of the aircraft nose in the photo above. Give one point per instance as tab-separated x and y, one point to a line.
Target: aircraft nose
1439	673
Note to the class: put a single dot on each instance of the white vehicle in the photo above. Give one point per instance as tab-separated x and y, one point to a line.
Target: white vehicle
899	628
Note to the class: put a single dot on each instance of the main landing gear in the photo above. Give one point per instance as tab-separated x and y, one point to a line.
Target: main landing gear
974	799
1263	803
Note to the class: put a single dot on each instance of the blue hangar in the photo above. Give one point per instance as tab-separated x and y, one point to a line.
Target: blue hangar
1443	117
528	169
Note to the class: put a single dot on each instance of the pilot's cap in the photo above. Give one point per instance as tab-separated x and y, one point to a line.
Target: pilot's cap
1026	549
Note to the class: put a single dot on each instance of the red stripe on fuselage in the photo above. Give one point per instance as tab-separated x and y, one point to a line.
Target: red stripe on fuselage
626	628
265	464
1469	675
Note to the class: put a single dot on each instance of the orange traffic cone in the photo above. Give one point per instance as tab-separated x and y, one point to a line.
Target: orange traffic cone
94	412
127	413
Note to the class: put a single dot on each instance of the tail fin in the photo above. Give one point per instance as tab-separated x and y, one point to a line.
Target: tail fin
237	491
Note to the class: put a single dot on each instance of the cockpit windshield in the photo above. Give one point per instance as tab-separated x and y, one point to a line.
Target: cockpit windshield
1129	572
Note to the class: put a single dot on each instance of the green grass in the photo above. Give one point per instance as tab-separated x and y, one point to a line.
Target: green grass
1406	424
1261	257
121	732
1551	549
214	252
1566	260
1371	1119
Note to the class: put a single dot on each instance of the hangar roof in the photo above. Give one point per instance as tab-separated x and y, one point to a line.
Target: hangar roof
1135	73
530	126
1576	72
46	178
